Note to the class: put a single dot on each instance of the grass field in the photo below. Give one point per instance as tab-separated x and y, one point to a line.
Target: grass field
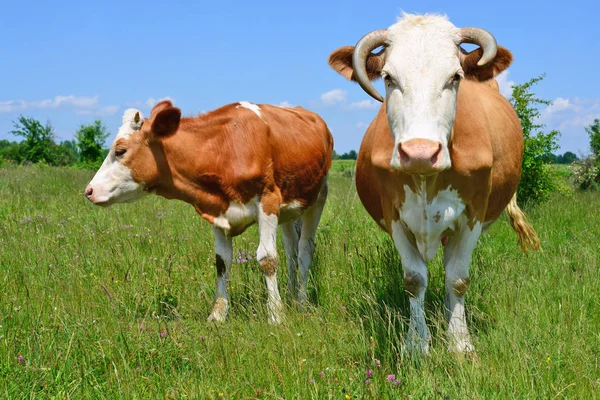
112	303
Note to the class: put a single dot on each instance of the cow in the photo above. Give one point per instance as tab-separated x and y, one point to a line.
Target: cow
442	158
238	165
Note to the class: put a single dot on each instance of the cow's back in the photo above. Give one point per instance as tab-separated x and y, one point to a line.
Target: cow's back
301	150
244	149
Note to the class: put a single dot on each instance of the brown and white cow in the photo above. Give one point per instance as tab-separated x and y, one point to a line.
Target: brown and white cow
238	165
442	158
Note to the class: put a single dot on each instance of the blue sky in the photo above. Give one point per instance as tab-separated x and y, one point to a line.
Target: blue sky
71	62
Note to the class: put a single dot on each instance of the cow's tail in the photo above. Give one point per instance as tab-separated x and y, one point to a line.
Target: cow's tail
527	236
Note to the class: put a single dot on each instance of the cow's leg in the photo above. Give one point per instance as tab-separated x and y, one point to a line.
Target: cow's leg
290	243
457	256
224	254
268	261
306	246
415	284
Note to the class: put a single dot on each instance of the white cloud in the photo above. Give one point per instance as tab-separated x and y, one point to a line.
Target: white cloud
333	97
365	104
505	85
286	104
361	125
77	102
556	107
570	116
103	111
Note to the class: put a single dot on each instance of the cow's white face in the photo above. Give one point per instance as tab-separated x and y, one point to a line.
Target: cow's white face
422	72
422	64
113	182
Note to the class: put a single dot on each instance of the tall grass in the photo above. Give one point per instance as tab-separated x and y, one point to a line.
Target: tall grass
109	303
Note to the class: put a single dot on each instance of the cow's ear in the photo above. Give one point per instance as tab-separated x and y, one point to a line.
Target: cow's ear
341	61
161	105
165	120
133	119
474	72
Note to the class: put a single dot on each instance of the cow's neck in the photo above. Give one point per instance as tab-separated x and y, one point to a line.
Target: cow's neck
186	174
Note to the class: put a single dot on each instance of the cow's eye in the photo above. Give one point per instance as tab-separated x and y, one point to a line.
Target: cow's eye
388	80
120	152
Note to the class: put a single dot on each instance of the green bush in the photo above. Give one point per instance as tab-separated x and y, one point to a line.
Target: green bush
90	141
586	173
593	132
537	180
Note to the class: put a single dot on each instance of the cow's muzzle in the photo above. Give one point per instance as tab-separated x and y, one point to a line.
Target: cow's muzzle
420	156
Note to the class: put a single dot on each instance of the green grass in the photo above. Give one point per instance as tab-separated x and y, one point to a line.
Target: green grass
565	171
87	297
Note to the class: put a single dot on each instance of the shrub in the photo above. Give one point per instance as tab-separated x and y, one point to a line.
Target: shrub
90	141
593	132
586	173
537	180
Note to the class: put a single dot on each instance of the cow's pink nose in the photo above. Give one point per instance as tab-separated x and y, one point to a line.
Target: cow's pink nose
89	191
419	156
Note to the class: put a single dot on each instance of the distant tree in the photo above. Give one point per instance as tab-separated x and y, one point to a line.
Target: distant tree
594	133
65	153
569	158
71	146
90	141
536	178
38	144
351	155
335	156
4	144
10	151
553	159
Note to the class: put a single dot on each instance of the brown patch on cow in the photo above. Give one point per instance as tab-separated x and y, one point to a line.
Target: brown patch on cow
437	217
271	202
220	264
269	265
493	84
413	283
472	71
232	155
460	286
341	61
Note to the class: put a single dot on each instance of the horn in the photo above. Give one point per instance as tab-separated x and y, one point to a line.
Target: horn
363	48
483	39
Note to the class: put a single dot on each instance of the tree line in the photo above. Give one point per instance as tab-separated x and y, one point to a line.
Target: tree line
39	145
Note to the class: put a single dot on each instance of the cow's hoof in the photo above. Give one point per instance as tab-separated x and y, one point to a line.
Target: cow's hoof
219	311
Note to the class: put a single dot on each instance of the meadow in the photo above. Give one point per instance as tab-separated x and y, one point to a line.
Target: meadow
112	303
